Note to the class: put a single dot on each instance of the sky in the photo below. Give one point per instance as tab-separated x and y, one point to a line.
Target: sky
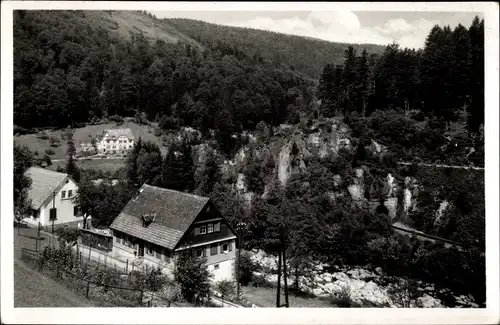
409	29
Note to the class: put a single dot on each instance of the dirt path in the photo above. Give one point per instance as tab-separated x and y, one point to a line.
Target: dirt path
33	289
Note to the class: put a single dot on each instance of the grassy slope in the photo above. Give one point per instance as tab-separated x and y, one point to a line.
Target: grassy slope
266	297
123	23
81	135
33	289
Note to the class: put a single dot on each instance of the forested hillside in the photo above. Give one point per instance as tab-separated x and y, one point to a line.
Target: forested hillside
74	67
302	54
246	123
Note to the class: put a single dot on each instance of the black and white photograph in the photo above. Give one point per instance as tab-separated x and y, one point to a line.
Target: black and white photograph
156	161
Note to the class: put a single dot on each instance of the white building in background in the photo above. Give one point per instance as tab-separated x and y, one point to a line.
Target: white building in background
52	191
115	142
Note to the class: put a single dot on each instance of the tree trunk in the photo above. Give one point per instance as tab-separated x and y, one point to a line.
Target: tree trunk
297	277
285	274
279	281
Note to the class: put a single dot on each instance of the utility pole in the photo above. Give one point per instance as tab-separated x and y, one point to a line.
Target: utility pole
239	228
282	262
53	217
38	235
284	268
278	293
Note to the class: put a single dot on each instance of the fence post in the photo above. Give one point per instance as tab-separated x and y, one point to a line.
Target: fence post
98	261
105	261
142	294
80	258
90	248
88	286
126	270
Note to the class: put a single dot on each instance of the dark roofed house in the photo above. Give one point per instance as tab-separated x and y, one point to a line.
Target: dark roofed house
158	223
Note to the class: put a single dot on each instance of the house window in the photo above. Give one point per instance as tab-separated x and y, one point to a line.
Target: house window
216	266
210	228
200	252
118	238
225	248
75	211
150	250
213	249
203	230
70	193
127	241
63	194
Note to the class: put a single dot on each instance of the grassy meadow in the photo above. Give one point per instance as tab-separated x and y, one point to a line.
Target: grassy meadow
80	135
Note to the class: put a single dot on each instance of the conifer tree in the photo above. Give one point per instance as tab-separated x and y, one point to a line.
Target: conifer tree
71	167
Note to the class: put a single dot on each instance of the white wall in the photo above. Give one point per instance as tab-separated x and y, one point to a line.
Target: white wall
115	144
65	207
225	261
224	272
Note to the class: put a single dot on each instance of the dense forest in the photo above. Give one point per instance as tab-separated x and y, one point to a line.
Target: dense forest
423	105
91	73
304	55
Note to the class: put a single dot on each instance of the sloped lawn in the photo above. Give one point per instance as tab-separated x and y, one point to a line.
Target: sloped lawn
266	297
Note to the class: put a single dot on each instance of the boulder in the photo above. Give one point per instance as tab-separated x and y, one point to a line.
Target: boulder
427	301
317	292
332	287
379	271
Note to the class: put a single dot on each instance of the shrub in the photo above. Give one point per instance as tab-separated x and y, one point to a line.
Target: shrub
226	288
343	298
117	119
47	160
168	123
54	141
247	267
42	135
260	281
49	152
193	277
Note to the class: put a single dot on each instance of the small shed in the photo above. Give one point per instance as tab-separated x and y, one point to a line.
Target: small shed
98	239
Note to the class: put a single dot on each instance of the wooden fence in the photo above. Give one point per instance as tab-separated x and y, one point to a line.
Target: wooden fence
120	291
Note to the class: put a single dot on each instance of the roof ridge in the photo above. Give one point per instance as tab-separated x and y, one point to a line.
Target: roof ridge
171	190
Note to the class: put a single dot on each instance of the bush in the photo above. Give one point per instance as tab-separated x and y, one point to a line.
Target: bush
49	152
260	281
247	267
226	288
47	160
54	141
193	277
168	123
117	119
42	135
343	298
